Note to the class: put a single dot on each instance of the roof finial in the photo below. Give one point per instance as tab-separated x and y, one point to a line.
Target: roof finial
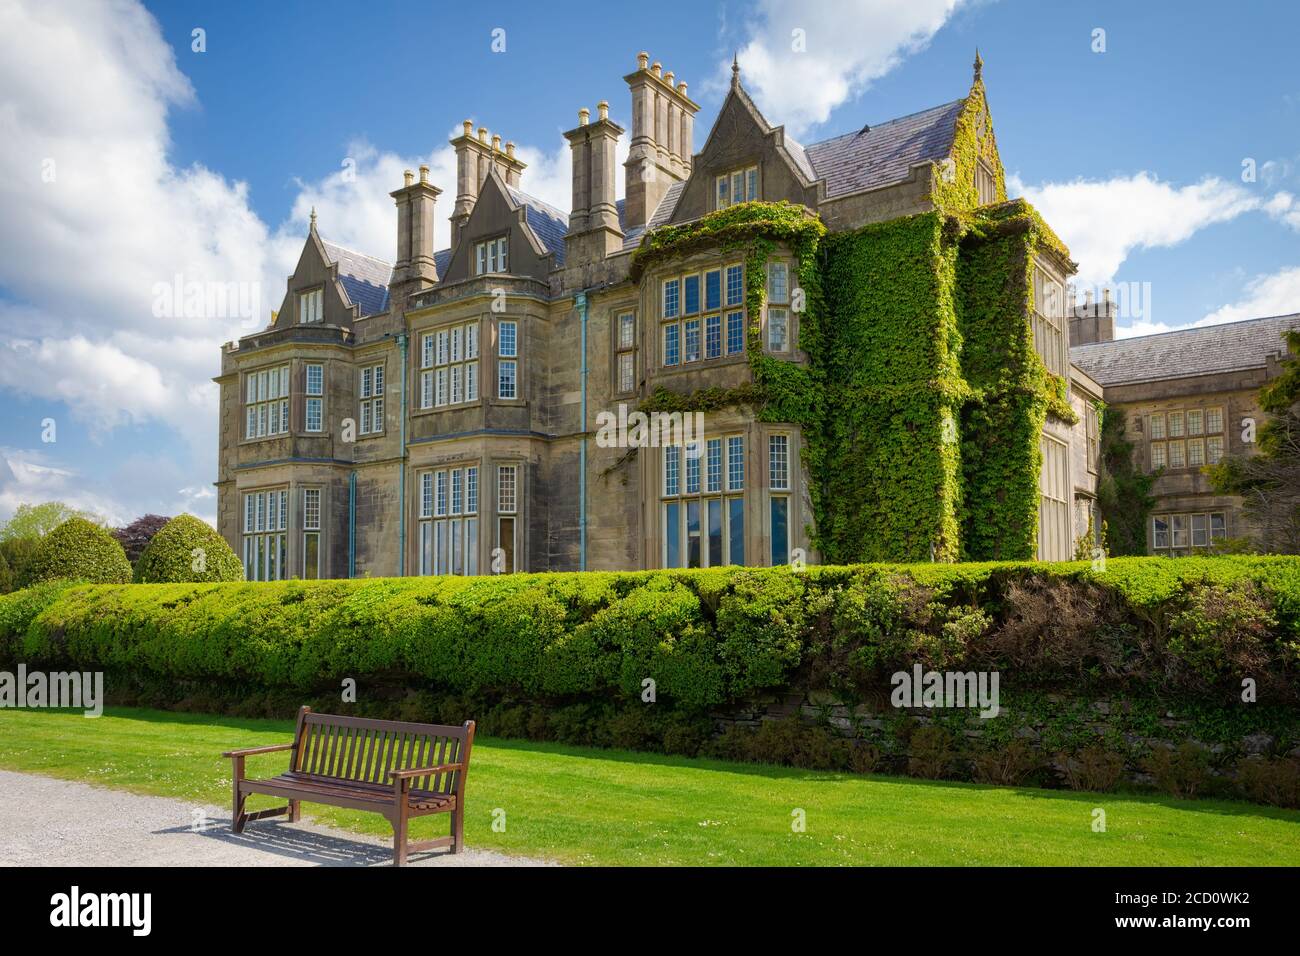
735	70
313	217
979	65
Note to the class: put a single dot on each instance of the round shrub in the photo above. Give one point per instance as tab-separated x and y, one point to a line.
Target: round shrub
187	549
79	550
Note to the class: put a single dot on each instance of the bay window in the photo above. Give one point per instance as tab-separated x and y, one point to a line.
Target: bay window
266	520
448	520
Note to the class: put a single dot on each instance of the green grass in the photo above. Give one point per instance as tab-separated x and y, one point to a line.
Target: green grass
579	805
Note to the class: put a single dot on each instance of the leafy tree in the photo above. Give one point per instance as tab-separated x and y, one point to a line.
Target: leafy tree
17	554
135	537
1123	492
1269	481
35	521
79	550
188	549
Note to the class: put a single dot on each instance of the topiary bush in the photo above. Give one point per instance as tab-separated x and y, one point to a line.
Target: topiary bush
187	549
79	550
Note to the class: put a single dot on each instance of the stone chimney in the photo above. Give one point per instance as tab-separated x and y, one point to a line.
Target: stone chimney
662	147
1091	321
414	268
594	230
475	155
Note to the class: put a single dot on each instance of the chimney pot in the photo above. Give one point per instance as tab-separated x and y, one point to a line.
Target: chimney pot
669	77
681	88
602	109
496	143
642	59
408	176
424	173
656	68
584	114
510	150
469	127
482	134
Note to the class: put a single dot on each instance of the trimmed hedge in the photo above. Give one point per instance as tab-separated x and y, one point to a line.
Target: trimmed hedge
709	639
79	550
179	546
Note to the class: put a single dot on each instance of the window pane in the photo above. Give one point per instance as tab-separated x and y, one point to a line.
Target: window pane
1195	422
777	330
713	336
693	468
1157	426
780	531
506	380
1214	449
693	534
714	465
626	373
672	293
693	340
735	285
672	535
713	289
506	542
778	460
1160	531
1178	527
311	556
715	532
508	344
778	291
735	464
672	344
1218	527
1175	424
735	333
506	486
672	470
471	546
426	547
626	330
1200	531
1214	420
691	289
735	531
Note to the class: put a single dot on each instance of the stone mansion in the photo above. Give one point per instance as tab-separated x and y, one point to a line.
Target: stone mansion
437	414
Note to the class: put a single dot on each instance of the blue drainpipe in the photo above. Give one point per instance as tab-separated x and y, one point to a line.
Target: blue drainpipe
352	525
580	302
401	481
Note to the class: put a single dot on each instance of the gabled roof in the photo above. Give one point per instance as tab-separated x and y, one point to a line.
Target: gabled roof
364	278
548	224
882	154
1201	351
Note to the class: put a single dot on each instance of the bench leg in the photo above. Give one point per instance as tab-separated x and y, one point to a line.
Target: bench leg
238	799
295	811
457	831
399	839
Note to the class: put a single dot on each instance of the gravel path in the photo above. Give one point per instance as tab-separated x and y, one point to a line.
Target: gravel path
49	822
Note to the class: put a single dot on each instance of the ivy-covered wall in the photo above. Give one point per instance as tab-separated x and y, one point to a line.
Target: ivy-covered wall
922	399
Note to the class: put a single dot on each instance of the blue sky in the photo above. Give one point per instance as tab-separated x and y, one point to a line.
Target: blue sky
171	161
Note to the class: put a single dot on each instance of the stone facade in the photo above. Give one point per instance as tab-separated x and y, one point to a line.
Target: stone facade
1188	398
438	415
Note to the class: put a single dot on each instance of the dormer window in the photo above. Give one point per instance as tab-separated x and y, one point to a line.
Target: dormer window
311	306
490	256
739	185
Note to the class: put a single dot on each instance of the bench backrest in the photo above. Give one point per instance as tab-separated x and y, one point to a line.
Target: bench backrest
362	750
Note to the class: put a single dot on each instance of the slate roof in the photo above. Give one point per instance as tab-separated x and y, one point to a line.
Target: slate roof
883	154
547	223
364	278
1200	351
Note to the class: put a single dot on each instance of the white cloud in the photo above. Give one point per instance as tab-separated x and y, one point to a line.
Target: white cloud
1103	221
847	45
1275	294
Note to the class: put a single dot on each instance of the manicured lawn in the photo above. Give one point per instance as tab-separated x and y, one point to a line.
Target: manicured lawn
613	807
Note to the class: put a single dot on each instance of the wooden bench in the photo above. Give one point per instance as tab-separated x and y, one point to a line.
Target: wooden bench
399	769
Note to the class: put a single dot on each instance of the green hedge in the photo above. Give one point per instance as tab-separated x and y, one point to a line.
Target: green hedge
187	549
708	638
79	550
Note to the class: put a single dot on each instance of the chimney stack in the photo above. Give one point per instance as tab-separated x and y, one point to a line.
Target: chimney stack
475	155
594	230
662	146
414	268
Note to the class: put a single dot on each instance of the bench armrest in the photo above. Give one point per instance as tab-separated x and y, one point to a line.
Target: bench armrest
258	750
423	771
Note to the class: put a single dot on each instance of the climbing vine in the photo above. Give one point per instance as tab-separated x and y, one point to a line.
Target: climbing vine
922	400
